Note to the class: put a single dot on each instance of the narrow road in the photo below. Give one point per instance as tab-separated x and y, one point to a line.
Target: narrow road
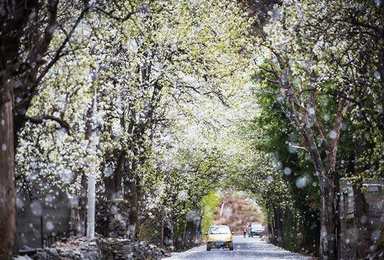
244	248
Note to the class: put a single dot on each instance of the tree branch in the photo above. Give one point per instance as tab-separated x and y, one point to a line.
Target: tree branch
342	107
62	46
117	18
41	119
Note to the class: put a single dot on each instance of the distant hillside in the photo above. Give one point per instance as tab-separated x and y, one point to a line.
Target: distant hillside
236	211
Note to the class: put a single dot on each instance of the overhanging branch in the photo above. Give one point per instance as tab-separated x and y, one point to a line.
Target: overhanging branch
41	119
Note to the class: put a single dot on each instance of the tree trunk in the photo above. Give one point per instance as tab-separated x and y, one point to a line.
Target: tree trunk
279	225
82	227
275	227
131	197
7	175
162	233
113	193
328	242
13	17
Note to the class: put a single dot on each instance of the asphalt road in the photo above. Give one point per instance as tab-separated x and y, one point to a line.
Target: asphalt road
244	248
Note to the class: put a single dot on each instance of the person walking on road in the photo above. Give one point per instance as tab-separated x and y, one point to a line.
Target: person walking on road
245	230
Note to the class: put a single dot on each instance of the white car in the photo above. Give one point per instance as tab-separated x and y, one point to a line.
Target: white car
219	236
256	229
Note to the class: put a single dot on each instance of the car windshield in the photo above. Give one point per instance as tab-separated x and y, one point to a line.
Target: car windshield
256	226
219	230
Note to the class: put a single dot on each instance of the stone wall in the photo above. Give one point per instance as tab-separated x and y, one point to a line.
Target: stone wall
39	222
359	227
101	249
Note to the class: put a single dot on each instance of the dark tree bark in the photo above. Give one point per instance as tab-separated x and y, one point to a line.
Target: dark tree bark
13	19
131	196
7	176
112	193
328	232
82	225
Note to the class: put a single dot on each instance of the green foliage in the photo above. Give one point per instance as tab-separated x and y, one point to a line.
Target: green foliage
209	206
